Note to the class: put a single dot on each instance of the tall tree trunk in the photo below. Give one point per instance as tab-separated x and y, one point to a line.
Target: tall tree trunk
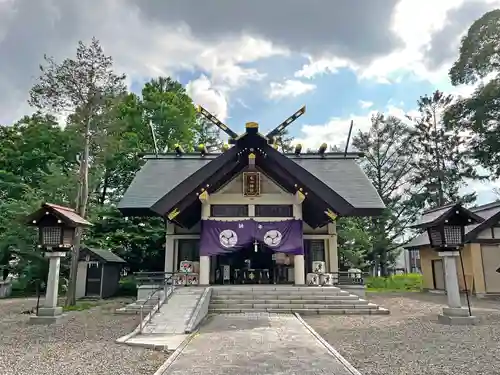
439	171
105	184
81	208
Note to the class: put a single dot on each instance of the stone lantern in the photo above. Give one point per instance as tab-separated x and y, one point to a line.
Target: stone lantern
57	226
446	230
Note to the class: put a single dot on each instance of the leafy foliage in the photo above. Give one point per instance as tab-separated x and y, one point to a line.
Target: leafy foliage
442	160
388	162
479	53
478	115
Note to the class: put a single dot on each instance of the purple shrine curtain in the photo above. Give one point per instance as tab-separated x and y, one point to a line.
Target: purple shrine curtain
219	237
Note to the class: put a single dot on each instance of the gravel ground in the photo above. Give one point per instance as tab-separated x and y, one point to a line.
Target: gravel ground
81	344
410	341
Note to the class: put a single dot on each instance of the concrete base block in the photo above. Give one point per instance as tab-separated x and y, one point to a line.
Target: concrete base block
457	320
46	315
50	311
37	319
455	311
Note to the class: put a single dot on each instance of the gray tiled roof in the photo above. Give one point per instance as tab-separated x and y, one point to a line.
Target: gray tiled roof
157	177
346	178
431	215
161	175
485	211
106	255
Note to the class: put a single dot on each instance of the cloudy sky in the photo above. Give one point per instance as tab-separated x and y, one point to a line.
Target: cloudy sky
254	60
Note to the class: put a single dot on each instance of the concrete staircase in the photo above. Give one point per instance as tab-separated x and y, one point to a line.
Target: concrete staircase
135	307
290	299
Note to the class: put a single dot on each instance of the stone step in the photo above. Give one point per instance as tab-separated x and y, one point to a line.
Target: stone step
262	297
311	291
290	306
261	288
325	311
281	295
291	301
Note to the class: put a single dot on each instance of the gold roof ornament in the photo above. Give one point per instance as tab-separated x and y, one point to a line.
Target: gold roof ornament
252	125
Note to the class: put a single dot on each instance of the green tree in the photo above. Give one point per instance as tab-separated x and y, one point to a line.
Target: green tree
80	87
479	115
171	112
284	141
354	242
479	53
442	162
140	241
388	162
208	134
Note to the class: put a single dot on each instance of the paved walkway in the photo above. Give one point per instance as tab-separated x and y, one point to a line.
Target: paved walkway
255	344
174	315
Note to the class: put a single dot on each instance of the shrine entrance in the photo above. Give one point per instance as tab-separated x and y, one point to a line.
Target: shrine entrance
253	264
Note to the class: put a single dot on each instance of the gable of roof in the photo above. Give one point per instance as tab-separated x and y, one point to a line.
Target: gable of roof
169	185
489	212
65	214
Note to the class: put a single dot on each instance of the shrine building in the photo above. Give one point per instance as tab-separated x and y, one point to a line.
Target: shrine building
251	214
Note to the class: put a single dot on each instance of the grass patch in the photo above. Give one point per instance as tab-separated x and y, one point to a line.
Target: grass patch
411	282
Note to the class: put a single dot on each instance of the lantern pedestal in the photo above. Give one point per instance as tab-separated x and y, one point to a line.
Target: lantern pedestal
454	314
50	313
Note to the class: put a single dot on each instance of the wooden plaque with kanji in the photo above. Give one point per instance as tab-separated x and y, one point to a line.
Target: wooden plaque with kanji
251	184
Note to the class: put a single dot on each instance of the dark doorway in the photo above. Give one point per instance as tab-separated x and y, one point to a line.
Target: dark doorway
94	273
250	265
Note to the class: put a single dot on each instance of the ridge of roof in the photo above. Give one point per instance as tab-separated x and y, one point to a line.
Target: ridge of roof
211	156
486	206
59	207
446	206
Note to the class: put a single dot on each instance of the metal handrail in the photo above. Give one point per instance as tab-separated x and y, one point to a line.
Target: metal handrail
166	287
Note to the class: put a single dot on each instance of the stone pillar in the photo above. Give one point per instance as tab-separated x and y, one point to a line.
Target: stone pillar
169	248
333	255
450	271
299	270
454	314
298	261
204	278
49	313
204	270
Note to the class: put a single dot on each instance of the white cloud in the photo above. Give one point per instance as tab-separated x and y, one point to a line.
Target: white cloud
139	49
205	94
335	131
365	104
414	22
322	66
289	88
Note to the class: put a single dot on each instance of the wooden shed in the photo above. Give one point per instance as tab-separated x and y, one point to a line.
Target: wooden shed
98	273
